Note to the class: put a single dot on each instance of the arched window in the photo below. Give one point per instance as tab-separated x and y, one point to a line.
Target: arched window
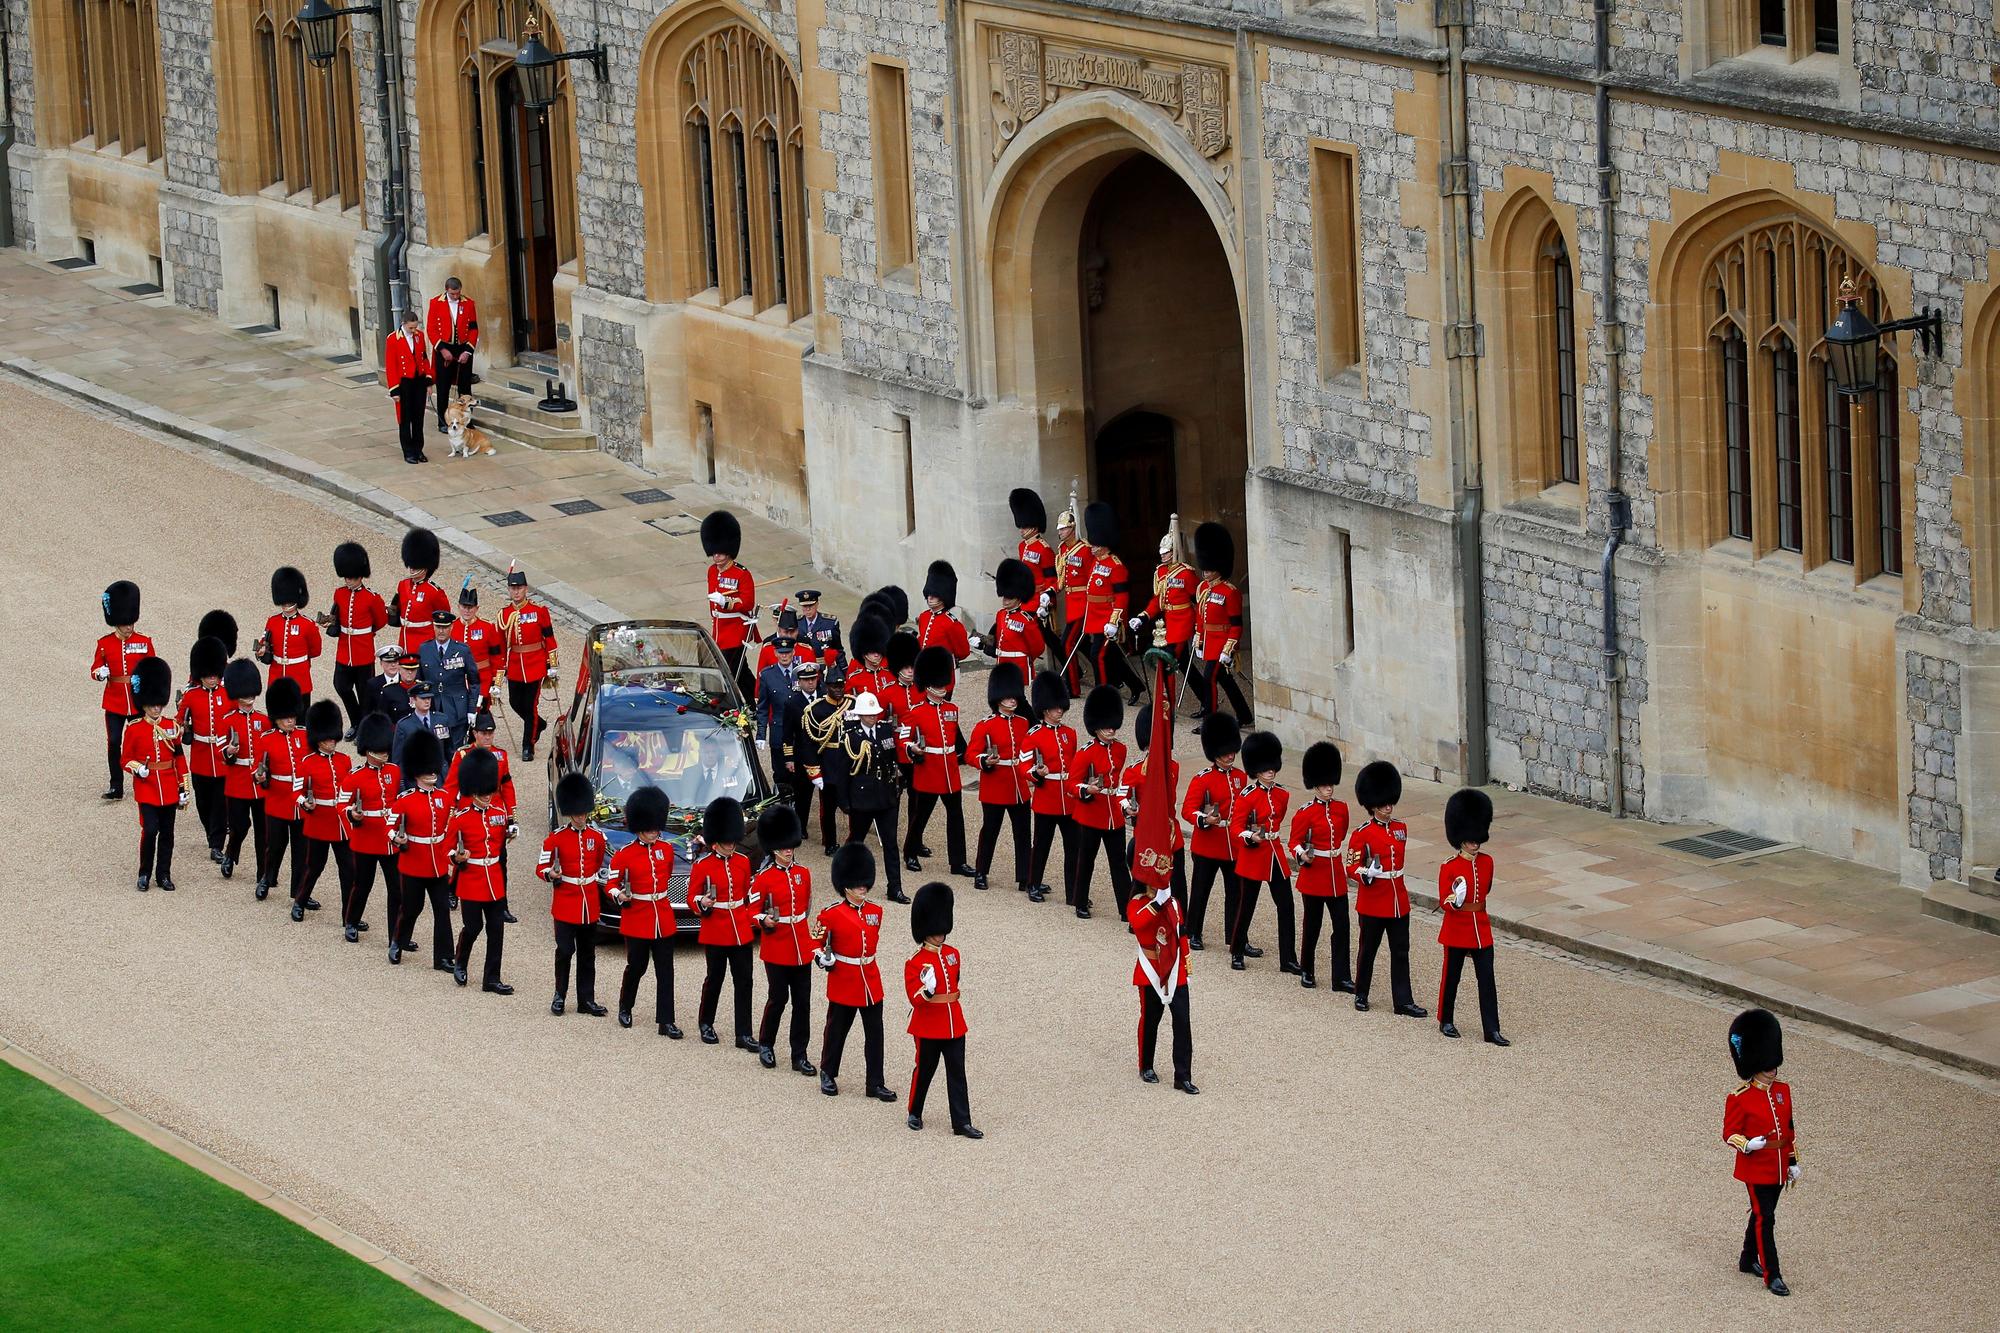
1559	295
310	139
1538	441
271	106
110	53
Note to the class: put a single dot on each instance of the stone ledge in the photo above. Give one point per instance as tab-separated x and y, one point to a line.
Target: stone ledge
1962	906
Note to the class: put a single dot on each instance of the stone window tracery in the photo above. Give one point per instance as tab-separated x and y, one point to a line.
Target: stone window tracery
308	137
112	61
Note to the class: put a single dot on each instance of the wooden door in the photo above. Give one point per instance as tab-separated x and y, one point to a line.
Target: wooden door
531	233
1135	475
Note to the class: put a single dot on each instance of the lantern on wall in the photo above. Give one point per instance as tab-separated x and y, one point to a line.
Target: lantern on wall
320	22
535	65
1854	341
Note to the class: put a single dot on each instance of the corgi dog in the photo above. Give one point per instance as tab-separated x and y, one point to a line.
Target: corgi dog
466	438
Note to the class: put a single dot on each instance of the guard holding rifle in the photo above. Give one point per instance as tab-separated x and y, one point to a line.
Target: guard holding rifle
1095	778
204	723
852	929
1375	853
358	615
937	1010
732	593
477	835
1258	828
999	746
152	754
418	599
1016	638
576	861
787	936
1464	882
1218	626
1052	749
112	662
291	640
720	894
642	876
1208	807
1107	595
1319	831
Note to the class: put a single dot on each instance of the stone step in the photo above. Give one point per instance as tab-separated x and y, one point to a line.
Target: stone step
511	400
1962	907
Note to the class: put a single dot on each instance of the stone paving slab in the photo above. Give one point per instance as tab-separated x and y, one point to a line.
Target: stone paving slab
1803	933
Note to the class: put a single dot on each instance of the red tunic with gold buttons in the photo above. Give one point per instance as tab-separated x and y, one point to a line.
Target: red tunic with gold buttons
320	796
1073	562
870	680
1005	735
732	920
852	936
1099	764
1466	926
204	719
294	642
417	601
573	860
1161	928
118	656
1264	809
482	639
504	795
1758	1110
1040	558
358	616
732	620
936	629
1172	605
530	634
422	816
158	748
371	793
646	871
927	737
481	831
246	727
1055	746
1216	789
1017	638
1319	832
1218	618
898	698
786	892
1106	595
281	752
1378	876
936	971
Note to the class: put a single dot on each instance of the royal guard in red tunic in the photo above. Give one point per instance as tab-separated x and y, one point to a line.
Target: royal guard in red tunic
732	593
290	640
478	835
852	932
243	730
1073	566
1097	790
420	824
936	626
359	614
641	884
902	693
1051	750
1161	976
323	816
529	632
1135	775
1464	882
1218	623
1257	827
1172	604
371	789
1106	598
1374	859
720	893
937	1010
1031	518
152	754
1208	807
787	937
203	719
485	736
576	861
1016	637
999	747
1757	1124
481	638
406	361
930	742
280	752
1319	833
112	662
868	673
418	598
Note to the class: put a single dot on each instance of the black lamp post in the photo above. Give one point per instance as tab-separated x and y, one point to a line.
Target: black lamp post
320	22
1853	344
535	65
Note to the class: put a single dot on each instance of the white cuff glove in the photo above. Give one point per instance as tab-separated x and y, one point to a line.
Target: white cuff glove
1160	898
1044	605
513	831
1226	659
1135	622
1792	1174
1458	893
1756	1145
717	599
973	639
927	981
102	673
819	784
140	770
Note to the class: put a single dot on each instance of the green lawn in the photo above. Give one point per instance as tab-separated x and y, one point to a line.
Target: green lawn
99	1229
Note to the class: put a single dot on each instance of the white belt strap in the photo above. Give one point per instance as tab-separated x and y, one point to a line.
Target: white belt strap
1376	874
1005	763
863	961
423	842
210	740
937	749
244	763
482	861
350	629
648	897
1165	990
791	920
729	905
576	879
731	615
365	813
291	661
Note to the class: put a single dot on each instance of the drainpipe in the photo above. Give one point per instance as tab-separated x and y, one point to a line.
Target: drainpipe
1618	505
392	282
6	141
1463	341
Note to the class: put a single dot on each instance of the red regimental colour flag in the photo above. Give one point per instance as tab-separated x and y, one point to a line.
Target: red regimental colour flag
1153	847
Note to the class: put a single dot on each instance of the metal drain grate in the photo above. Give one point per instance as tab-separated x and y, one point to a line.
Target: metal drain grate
343	358
142	289
1722	843
257	329
73	263
365	377
652	495
575	507
508	518
679	525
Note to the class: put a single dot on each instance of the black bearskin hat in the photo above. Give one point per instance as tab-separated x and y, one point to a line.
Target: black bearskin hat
284	698
288	587
220	626
935	667
1004	682
646	811
1028	509
930	912
121	604
1220	735
1756	1042
1014	579
420	550
1468	817
575	795
869	634
1142	727
1378	784
903	649
324	722
721	534
375	734
778	828
1100	524
1321	766
350	561
878	608
1103	708
941	582
478	772
242	680
1262	753
421	755
722	821
1048	691
853	867
1214	550
898	602
152	682
207	658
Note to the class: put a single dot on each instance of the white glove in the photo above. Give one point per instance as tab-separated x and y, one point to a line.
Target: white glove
1160	898
1044	604
1756	1145
1226	659
973	639
102	673
140	770
717	599
513	831
183	803
927	981
819	784
1458	893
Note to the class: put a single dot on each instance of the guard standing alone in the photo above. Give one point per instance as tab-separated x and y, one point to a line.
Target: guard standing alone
112	662
937	1010
530	663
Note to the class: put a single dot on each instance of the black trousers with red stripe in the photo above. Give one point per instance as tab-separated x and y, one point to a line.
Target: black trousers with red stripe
839	1021
365	864
734	959
1373	928
1046	828
1214	676
1245	909
1083	866
921	805
416	888
156	840
313	860
525	698
1108	661
578	941
1150	1010
1202	884
787	985
278	835
990	819
1489	996
114	748
209	806
951	1050
1335	911
245	818
1073	656
1760	1233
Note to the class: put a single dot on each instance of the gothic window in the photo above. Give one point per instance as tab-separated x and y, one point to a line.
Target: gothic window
1787	29
1888	468
308	135
111	56
1560	286
270	105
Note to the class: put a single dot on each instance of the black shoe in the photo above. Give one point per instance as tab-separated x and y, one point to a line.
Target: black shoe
1148	1076
298	912
979	882
1498	1040
361	926
965	871
1083	914
440	965
527	754
1307	981
767	1057
913	1120
228	867
1448	1030
749	1044
966	1132
1360	1004
349	737
409	948
263	890
1776	1286
708	1037
496	987
1413	1011
803	1065
1343	988
1289	969
145	882
353	935
624	1018
411	459
166	885
395	953
1186	1085
1750	1266
453	904
671	1031
924	851
828	1086
1236	962
505	915
312	904
114	794
556	1005
1252	951
882	1094
1196	944
898	896
591	1007
1038	894
913	865
215	853
458	974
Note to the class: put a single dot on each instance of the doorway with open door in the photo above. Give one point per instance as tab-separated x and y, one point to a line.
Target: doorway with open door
529	201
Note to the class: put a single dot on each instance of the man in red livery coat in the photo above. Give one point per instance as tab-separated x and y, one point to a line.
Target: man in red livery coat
291	639
1016	637
420	824
481	638
279	753
243	728
204	726
371	789
1319	832
530	663
359	614
1052	749
1161	976
1172	605
641	883
152	754
1208	807
852	930
931	743
1757	1124
1218	625
936	626
406	359
1073	565
937	1010
999	746
1096	777
418	598
323	816
787	936
732	593
576	861
453	329
720	893
1374	859
1106	597
1257	827
1464	882
477	835
112	662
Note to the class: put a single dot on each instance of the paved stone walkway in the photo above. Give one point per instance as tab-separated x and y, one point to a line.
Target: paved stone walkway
1807	934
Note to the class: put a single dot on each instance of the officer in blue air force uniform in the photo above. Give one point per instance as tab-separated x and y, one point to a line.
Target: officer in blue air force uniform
447	665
